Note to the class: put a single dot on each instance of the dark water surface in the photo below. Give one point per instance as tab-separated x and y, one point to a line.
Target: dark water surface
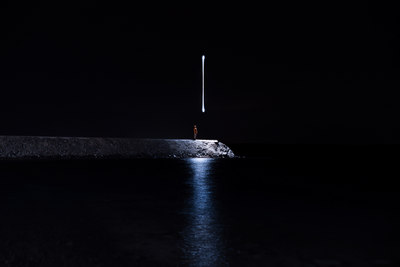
199	212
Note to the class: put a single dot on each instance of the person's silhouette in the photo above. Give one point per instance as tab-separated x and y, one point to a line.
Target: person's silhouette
195	132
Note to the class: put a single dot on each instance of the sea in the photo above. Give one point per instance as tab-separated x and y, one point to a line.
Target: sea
248	211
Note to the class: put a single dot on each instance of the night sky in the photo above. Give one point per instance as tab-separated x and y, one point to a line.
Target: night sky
288	72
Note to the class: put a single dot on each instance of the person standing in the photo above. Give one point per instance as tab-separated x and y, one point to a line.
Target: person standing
195	132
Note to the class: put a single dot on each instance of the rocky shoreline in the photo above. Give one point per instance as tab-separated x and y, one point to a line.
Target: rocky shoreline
41	147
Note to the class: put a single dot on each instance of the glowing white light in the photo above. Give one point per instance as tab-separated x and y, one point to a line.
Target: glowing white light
203	108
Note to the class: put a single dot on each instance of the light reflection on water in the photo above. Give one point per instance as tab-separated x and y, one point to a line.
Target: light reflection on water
202	236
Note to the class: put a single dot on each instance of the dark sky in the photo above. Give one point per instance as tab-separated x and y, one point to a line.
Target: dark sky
288	72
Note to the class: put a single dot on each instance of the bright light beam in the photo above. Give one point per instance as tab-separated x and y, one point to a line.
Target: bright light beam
203	108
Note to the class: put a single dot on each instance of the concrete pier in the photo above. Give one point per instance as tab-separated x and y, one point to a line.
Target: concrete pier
41	147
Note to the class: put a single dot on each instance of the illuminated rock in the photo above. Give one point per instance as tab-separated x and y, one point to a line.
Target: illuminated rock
37	147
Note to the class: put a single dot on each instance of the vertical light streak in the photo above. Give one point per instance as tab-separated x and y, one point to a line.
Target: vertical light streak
203	109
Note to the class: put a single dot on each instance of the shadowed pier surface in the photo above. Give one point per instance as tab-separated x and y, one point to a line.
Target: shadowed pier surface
38	147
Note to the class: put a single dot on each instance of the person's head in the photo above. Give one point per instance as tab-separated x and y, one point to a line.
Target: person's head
195	126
